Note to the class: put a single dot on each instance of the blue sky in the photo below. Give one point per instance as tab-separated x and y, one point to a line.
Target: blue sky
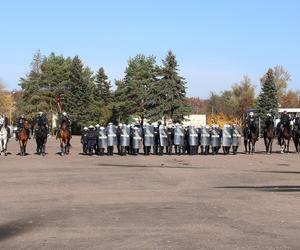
216	42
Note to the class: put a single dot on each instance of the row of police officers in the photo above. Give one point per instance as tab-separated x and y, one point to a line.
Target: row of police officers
159	139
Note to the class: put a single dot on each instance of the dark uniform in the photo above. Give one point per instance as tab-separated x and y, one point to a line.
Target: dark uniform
83	141
21	124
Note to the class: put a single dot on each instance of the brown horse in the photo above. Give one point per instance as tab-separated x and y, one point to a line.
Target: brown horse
284	138
64	136
250	138
269	135
23	137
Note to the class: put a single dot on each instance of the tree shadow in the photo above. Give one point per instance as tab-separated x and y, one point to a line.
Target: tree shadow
282	188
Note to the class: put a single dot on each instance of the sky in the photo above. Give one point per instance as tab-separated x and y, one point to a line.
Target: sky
216	42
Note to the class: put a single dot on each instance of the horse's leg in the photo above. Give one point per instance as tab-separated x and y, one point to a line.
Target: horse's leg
271	146
288	146
245	143
266	144
61	147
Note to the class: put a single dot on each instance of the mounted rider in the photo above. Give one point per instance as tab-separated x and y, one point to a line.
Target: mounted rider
42	121
21	124
5	124
251	120
269	120
297	120
284	120
65	119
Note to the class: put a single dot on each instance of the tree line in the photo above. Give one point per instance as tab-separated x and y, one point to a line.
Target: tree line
148	90
232	103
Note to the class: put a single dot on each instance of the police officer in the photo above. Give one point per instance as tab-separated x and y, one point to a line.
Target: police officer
83	139
20	124
42	120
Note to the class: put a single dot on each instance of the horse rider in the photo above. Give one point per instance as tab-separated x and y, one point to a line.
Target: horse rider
5	124
297	120
42	121
284	119
269	121
250	120
20	124
65	119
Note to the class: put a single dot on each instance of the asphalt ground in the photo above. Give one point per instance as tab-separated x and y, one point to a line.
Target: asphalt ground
149	202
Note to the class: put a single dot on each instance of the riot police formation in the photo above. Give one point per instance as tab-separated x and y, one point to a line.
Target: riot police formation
159	139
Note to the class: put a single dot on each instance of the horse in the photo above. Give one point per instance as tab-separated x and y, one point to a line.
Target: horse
269	135
284	137
296	138
40	135
3	138
23	138
250	137
64	136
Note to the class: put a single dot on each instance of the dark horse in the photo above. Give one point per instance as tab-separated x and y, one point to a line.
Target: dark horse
23	138
269	135
250	137
284	137
40	135
64	136
296	138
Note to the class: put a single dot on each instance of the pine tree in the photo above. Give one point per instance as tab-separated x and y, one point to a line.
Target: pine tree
103	88
139	74
268	99
167	96
33	99
79	96
103	97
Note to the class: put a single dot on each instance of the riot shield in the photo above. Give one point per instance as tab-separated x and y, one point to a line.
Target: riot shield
227	136
102	138
163	136
236	136
111	135
215	138
205	136
136	138
178	135
124	136
193	136
148	136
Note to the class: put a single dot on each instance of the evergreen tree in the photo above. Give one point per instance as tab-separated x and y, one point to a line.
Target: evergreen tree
103	96
268	99
121	108
33	99
79	97
103	88
167	96
139	74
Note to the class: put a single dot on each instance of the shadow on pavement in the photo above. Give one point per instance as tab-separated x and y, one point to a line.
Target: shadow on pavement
144	166
288	188
13	228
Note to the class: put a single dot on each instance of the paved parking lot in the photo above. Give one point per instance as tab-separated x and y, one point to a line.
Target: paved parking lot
168	202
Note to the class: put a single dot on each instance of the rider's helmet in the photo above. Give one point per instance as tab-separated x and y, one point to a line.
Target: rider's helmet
120	125
85	129
284	112
269	115
22	116
40	113
91	127
64	113
251	114
97	126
